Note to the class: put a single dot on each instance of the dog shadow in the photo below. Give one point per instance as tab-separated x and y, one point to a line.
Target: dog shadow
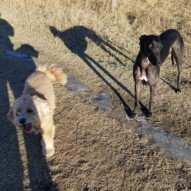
16	66
75	40
169	84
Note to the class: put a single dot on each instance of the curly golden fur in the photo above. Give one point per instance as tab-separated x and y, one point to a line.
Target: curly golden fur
34	110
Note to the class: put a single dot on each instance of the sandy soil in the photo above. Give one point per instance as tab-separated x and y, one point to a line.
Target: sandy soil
96	149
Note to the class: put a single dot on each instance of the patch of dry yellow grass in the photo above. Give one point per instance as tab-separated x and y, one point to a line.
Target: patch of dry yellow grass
130	18
112	149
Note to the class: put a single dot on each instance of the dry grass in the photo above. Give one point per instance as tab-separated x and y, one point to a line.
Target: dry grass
96	148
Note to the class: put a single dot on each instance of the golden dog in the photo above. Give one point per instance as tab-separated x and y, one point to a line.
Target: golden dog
34	110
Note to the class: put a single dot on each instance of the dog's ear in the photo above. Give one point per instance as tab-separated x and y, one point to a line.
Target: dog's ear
142	37
10	115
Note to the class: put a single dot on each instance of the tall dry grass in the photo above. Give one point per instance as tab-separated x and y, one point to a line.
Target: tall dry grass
122	25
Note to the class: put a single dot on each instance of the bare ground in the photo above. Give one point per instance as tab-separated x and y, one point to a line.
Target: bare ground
95	149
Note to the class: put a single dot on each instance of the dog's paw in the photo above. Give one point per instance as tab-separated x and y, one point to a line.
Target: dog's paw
133	115
149	114
178	91
48	152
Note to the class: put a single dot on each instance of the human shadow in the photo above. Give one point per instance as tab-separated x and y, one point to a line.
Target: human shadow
75	40
11	168
16	66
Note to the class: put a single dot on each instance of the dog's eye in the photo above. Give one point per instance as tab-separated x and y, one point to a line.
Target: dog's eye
18	112
151	45
29	111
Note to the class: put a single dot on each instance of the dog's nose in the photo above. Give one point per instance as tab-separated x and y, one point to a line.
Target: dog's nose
22	121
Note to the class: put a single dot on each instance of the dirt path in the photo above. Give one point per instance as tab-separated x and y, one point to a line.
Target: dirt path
96	149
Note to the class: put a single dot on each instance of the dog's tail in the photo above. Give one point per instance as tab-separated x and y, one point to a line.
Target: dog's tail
53	72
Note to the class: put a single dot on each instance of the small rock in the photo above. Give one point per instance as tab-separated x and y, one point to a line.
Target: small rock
82	161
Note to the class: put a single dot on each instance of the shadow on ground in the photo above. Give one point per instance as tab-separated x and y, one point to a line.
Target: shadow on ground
75	40
16	66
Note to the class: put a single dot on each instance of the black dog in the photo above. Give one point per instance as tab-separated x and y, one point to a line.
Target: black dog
153	52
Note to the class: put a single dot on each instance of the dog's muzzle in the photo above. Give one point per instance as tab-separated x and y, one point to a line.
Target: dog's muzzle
26	126
22	121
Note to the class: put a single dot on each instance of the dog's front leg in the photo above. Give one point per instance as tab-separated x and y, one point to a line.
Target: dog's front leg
137	94
47	142
152	94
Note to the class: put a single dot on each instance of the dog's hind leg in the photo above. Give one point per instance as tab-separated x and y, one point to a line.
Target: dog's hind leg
178	59
172	56
179	66
178	48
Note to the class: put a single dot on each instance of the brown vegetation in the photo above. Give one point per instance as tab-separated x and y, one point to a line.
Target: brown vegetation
96	149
